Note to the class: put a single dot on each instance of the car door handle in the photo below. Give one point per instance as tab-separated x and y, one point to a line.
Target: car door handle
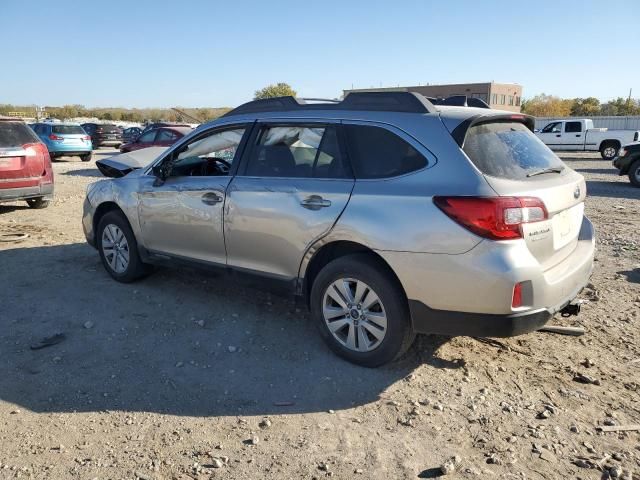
211	198
558	135
578	135
315	202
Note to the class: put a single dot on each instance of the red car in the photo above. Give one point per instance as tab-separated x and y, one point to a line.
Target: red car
158	137
25	166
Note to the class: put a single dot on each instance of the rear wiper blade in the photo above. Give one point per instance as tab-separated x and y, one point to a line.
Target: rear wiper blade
545	170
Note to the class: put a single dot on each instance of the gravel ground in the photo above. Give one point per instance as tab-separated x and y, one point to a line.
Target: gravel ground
184	376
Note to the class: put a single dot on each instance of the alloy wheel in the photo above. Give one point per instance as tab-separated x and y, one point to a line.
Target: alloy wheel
115	248
354	314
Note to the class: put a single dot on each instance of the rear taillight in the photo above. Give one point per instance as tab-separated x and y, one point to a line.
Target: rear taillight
86	138
496	218
55	137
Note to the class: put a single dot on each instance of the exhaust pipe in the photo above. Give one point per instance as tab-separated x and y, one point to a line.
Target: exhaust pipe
570	310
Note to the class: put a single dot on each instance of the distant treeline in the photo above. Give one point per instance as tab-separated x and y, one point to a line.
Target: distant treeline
550	106
139	115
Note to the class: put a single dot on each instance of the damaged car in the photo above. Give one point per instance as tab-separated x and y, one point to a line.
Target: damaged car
387	214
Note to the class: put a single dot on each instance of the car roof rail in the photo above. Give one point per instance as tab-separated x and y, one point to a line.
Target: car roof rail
405	102
461	101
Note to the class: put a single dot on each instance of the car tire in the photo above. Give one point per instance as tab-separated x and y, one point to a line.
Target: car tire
120	259
37	203
634	173
609	150
86	157
348	328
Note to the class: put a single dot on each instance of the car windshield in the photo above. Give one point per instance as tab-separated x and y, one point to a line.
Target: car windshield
68	130
508	150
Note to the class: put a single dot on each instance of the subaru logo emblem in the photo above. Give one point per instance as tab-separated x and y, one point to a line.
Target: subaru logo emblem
576	193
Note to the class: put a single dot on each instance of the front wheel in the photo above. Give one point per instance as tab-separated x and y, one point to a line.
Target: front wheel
86	157
118	248
37	203
361	311
634	173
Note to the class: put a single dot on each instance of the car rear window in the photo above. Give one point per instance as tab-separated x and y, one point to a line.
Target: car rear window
68	130
507	150
15	134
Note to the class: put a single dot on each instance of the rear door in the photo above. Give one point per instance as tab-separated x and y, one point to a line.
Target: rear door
166	137
145	141
21	165
295	184
516	163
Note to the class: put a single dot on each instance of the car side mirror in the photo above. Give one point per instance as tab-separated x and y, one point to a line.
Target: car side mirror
160	173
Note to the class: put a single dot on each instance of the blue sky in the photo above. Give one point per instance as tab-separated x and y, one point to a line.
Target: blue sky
203	53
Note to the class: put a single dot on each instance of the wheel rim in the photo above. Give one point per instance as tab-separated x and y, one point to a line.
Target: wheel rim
115	248
354	314
609	152
637	174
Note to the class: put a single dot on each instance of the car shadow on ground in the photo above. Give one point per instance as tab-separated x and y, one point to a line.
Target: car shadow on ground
633	276
606	171
85	172
613	189
180	342
12	208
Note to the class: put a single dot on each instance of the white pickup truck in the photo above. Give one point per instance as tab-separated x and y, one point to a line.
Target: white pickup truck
578	135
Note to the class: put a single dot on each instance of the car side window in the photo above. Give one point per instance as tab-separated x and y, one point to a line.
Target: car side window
573	127
552	128
166	136
147	137
211	155
296	151
376	152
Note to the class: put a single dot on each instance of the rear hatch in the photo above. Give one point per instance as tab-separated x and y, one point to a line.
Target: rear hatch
72	135
22	159
515	163
109	132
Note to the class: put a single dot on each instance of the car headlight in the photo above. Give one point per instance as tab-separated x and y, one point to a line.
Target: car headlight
622	152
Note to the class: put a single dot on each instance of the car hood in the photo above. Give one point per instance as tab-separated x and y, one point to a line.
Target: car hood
124	163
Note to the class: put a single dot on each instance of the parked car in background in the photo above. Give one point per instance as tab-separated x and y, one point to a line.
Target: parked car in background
579	135
628	162
104	134
154	125
131	134
25	166
388	216
158	137
64	140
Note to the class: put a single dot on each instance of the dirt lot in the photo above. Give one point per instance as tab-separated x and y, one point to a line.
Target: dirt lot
173	376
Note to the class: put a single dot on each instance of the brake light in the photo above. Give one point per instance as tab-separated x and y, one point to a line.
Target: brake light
517	296
55	137
495	218
86	137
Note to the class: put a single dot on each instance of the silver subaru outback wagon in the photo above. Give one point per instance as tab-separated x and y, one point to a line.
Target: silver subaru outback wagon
390	214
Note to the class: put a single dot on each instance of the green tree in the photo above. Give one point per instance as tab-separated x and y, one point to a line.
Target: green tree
585	107
277	90
547	106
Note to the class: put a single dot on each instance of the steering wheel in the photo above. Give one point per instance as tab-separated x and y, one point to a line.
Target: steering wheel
206	168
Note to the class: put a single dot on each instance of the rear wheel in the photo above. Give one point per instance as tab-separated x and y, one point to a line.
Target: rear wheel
118	248
634	173
609	150
361	311
86	157
37	202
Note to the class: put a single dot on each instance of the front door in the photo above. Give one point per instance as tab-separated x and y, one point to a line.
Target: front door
184	216
293	189
551	135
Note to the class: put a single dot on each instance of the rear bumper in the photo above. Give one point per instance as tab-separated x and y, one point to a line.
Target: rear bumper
442	322
471	293
108	142
23	193
70	150
624	163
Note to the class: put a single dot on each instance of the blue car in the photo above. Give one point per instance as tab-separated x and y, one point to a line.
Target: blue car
64	139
